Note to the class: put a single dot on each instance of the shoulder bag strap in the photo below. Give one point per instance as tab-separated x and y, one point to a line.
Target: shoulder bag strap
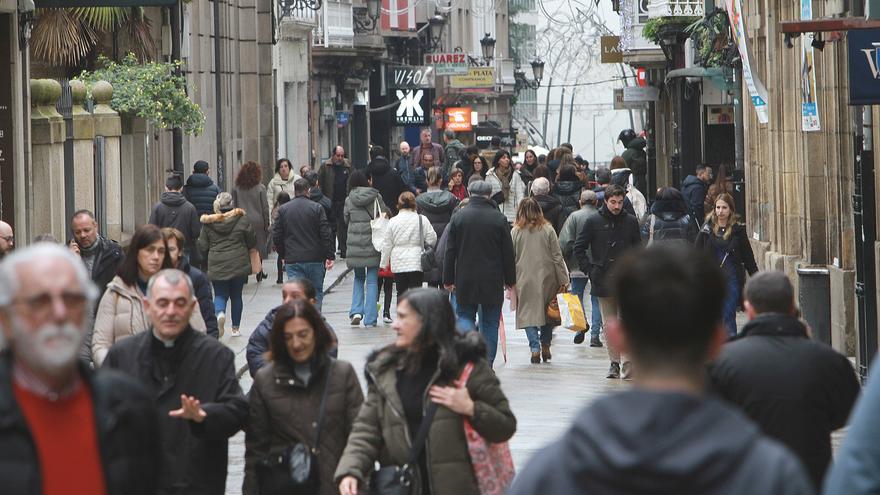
321	407
421	229
422	435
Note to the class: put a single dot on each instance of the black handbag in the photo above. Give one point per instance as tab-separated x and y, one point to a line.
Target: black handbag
294	471
398	480
428	259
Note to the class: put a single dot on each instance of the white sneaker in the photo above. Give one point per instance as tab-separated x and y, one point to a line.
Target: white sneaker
387	320
236	332
356	320
221	322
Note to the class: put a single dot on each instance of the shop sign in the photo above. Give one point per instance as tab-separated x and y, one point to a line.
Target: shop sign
864	66
410	77
757	91
641	94
611	52
809	107
411	107
342	119
477	77
448	64
620	104
459	119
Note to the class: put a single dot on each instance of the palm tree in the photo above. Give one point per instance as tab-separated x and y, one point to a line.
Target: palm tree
71	37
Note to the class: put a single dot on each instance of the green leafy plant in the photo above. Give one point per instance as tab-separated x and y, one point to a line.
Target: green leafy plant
711	36
654	27
153	91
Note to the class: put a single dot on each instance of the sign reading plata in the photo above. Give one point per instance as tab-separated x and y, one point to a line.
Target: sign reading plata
477	77
447	64
611	52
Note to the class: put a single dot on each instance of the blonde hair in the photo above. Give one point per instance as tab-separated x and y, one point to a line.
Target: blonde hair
529	215
734	217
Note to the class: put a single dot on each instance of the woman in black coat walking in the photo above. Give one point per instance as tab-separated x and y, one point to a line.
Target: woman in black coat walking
669	219
725	238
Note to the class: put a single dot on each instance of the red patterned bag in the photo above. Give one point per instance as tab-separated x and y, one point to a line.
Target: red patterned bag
493	465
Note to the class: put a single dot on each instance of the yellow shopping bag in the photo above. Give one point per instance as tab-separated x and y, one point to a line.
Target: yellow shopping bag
571	312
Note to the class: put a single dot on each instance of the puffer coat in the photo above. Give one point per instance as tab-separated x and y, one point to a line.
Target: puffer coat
225	241
284	410
121	314
403	242
568	192
540	271
381	433
669	221
358	212
437	206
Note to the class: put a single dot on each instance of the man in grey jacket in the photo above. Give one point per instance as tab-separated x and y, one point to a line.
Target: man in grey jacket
570	229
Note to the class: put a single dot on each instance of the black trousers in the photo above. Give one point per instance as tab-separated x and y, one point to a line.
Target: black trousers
338	210
406	281
386	285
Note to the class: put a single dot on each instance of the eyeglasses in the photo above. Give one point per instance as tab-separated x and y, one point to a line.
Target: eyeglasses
40	305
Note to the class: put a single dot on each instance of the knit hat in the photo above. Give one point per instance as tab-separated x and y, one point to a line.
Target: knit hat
223	202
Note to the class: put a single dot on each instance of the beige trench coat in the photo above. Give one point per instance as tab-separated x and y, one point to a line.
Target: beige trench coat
540	271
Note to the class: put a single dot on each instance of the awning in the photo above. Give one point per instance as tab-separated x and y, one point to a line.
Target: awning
54	4
714	74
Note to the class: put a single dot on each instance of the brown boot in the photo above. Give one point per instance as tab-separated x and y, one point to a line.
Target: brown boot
545	353
536	358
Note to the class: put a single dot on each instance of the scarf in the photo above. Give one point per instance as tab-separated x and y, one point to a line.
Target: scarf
505	180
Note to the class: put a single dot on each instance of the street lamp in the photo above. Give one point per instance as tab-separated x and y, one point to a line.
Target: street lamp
488	46
538	70
365	17
521	82
434	32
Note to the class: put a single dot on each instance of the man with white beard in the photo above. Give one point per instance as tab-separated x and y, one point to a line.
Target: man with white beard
64	428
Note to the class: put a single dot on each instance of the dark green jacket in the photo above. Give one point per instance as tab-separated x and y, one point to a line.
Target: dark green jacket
225	241
380	431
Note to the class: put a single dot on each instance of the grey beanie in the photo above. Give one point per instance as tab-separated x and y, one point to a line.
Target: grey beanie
223	202
480	188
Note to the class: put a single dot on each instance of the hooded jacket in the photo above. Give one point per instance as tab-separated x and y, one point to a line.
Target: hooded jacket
194	455
225	241
317	196
635	156
570	230
381	432
327	176
173	210
284	411
125	423
120	315
669	221
201	191
437	206
603	240
387	181
359	210
694	192
568	193
643	442
795	389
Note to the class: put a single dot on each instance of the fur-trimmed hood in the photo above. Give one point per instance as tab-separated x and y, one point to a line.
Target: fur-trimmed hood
222	217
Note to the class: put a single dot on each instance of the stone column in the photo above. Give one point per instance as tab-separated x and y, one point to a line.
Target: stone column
108	124
47	160
134	171
83	150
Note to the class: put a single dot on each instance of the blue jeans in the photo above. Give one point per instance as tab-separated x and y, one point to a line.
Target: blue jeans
546	335
362	303
489	320
578	287
312	271
596	325
229	289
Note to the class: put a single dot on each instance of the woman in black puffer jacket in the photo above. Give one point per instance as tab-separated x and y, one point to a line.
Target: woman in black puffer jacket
567	190
669	219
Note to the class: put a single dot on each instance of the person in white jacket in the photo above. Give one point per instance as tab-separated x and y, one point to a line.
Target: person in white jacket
508	188
404	243
623	177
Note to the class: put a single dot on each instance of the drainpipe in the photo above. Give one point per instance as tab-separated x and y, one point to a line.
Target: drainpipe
218	95
177	132
739	129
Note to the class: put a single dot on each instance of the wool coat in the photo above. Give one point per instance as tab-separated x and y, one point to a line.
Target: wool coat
121	314
284	411
403	242
541	271
257	211
381	433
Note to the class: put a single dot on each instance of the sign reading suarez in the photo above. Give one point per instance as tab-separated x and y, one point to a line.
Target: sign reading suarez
448	64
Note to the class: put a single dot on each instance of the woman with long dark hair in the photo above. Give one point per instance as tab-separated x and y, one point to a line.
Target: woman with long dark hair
281	182
121	311
540	273
725	238
415	375
286	396
479	167
249	194
508	189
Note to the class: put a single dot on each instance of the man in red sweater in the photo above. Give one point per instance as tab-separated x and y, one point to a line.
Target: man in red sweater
63	428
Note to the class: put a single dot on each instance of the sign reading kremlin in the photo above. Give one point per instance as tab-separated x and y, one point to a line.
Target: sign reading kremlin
411	110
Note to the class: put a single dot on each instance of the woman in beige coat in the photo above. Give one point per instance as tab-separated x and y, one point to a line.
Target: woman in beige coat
121	312
540	275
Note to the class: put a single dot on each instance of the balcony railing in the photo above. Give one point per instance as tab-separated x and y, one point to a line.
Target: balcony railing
675	8
296	11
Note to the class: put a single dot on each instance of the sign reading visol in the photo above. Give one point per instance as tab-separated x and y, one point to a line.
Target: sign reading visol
447	64
864	66
409	77
411	107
